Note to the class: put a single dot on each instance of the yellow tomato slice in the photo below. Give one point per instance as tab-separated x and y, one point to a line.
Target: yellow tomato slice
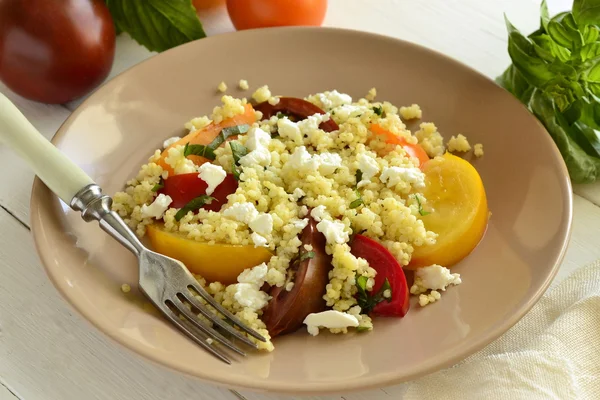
214	262
455	194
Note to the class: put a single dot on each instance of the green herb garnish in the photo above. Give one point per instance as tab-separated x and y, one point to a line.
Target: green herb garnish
307	255
208	151
159	185
358	176
157	25
237	151
378	110
194	205
280	115
366	301
362	329
555	72
358	202
421	210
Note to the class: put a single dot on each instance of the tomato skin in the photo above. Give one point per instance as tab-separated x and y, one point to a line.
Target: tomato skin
413	150
250	14
298	108
55	51
387	267
183	188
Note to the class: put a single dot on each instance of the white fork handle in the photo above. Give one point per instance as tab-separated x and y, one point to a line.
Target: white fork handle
57	171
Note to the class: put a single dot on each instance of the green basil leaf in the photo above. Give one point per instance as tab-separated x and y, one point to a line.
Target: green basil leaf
378	110
358	176
557	51
542	45
157	25
586	12
159	185
362	329
361	282
564	31
421	211
513	81
357	203
582	167
367	301
226	132
194	205
307	255
237	151
544	15
586	137
593	73
590	51
590	34
522	52
198	150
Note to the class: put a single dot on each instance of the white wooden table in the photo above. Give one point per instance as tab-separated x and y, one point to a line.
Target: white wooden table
48	352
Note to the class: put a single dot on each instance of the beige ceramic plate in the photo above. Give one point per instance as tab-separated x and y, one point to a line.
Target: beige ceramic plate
113	132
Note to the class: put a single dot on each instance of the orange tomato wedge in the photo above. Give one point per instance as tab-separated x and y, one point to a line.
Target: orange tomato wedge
459	211
214	262
206	135
413	150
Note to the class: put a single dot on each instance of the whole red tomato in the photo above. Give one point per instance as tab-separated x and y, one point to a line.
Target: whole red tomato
55	51
248	14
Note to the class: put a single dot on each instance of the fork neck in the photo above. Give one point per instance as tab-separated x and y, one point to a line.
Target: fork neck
95	206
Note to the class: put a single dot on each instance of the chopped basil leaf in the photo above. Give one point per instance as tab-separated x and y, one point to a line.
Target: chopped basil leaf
358	202
194	205
159	185
308	254
366	301
421	211
237	151
280	115
358	176
198	150
362	329
378	110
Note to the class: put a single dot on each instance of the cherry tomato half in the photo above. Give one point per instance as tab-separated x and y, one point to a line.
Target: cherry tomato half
183	188
296	108
387	267
413	150
249	14
55	51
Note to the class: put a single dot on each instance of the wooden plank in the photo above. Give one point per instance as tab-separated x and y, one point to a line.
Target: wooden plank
47	352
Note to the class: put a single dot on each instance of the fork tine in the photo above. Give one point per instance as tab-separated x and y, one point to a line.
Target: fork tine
187	328
216	320
210	300
203	327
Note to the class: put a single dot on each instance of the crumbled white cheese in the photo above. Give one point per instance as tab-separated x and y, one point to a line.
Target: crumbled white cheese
301	159
242	212
258	240
329	319
180	164
243	84
348	110
436	277
213	175
249	295
257	138
290	130
299	224
262	224
260	156
334	99
333	231
394	175
157	208
297	194
319	213
328	162
310	126
303	212
369	168
170	141
255	275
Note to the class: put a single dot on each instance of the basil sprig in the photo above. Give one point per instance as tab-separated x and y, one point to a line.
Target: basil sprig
195	204
366	301
208	151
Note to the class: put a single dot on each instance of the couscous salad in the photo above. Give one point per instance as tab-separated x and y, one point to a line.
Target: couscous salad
307	212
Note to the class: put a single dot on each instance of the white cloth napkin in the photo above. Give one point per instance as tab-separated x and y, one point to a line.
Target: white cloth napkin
552	353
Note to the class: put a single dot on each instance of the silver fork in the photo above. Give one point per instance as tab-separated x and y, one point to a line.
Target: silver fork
165	281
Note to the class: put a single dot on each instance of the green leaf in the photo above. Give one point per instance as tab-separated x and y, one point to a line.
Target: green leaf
590	51
590	34
358	176
157	25
307	255
378	110
524	57
421	211
365	300
357	203
159	185
227	132
544	15
194	205
593	73
582	167
237	151
564	31
513	81
362	329
586	12
199	150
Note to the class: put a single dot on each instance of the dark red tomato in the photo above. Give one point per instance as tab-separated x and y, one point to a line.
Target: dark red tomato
184	188
387	266
295	108
55	51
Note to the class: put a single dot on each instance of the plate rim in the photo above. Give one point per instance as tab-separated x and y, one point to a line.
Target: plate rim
311	388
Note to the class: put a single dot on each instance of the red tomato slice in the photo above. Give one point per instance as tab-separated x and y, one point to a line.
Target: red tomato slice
184	188
387	266
297	108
